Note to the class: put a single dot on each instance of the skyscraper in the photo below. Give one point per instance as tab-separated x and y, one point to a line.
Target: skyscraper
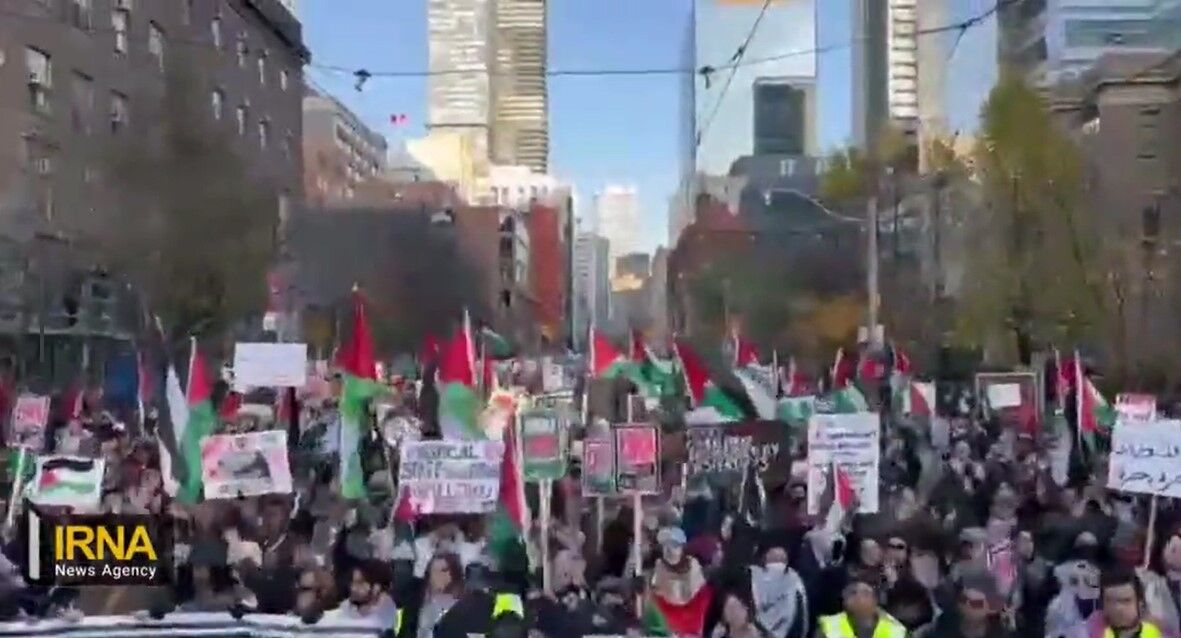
617	209
885	68
488	78
520	114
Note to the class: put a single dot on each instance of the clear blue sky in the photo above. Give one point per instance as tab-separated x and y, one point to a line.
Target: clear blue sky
602	129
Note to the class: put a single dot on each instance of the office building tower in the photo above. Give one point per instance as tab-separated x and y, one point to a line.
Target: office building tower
870	69
617	209
520	113
459	91
591	282
902	64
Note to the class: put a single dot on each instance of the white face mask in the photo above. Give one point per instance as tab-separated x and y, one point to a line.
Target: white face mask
777	568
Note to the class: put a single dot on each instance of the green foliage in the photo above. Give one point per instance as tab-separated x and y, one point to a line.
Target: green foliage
191	226
1032	277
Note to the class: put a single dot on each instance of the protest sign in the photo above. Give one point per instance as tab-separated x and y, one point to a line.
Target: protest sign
723	452
637	458
71	481
543	445
29	418
451	477
850	442
279	365
598	467
1135	408
1144	458
553	375
1013	398
252	464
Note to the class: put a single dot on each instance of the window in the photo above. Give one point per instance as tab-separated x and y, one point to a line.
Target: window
120	18
262	68
778	118
1148	135
37	156
119	112
243	112
40	68
79	14
215	31
156	43
186	12
283	79
242	51
264	133
217	101
81	102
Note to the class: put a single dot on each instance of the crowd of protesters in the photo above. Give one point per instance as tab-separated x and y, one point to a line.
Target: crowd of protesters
976	536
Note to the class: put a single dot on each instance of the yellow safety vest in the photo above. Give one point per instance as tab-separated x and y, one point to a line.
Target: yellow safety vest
840	626
1147	630
398	622
508	604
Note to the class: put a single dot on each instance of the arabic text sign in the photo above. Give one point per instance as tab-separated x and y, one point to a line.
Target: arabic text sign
1146	458
723	452
1136	408
279	365
29	418
251	464
452	477
543	445
851	443
637	458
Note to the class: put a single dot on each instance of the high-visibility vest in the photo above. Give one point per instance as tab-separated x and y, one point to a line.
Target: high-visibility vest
1147	630
840	626
398	621
508	604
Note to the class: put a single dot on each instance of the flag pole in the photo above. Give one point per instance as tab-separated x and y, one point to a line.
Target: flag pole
544	489
18	482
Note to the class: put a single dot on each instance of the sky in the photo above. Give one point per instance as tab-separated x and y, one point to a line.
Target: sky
603	130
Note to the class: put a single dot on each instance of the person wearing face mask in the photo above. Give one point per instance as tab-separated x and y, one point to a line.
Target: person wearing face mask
780	600
1077	599
678	590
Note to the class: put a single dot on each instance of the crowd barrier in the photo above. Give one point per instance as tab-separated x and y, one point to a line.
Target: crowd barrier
207	625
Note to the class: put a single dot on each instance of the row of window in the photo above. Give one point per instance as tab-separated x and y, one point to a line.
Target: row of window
217	100
39	65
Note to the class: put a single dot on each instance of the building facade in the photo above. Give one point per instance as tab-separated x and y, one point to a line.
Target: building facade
340	152
617	215
516	187
520	99
591	283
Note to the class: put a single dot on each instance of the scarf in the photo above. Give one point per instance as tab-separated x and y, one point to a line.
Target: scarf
776	599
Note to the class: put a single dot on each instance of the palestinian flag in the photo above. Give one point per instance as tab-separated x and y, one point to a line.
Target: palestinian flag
848	399
759	384
844	370
683	616
201	422
658	374
495	346
170	431
796	410
703	392
794	383
606	361
459	403
1094	412
910	397
1063	379
745	353
840	490
506	531
359	367
67	480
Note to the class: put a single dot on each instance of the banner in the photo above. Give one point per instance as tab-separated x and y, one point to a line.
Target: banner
1013	398
598	467
637	458
723	452
1144	458
851	443
270	365
451	477
234	465
71	481
29	418
1135	408
543	442
207	624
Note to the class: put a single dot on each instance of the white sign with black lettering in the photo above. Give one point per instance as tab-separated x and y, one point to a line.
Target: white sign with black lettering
851	443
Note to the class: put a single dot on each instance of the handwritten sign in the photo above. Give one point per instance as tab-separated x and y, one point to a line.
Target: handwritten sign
265	365
543	444
598	467
1013	398
851	443
252	464
1146	458
451	477
29	418
723	452
1135	408
637	458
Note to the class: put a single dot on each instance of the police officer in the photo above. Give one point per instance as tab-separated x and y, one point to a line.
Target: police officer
861	617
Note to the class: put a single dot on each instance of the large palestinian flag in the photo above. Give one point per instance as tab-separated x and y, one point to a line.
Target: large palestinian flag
359	367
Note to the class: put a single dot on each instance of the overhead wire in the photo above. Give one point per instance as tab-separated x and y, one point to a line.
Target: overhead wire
736	59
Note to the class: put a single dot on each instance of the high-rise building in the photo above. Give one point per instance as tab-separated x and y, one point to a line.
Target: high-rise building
617	210
459	86
885	68
520	112
1055	40
592	283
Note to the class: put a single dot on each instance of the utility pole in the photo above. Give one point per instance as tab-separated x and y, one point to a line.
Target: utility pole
871	268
